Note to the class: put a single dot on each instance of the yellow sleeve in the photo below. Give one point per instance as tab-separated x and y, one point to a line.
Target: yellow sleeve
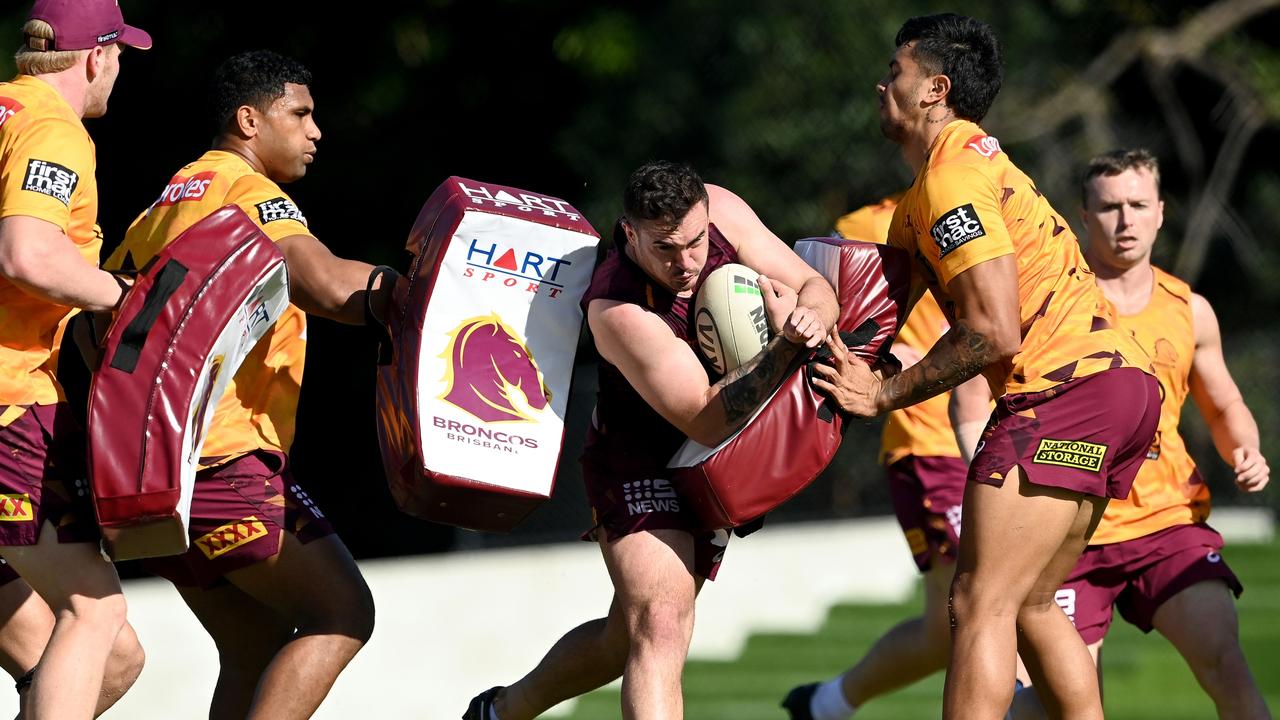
963	220
48	163
268	206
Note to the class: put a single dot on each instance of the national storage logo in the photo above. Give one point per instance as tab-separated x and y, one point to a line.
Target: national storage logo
1070	453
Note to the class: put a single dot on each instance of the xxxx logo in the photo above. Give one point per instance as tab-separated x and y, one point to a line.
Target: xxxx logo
15	508
231	536
491	374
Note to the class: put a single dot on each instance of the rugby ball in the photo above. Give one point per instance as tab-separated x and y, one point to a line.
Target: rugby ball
729	317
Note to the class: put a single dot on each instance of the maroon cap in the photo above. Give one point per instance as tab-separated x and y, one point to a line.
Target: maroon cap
84	24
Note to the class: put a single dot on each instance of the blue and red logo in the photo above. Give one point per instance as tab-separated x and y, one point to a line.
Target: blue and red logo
527	270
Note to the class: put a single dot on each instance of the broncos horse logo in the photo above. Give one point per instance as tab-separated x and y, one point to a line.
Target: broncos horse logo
487	365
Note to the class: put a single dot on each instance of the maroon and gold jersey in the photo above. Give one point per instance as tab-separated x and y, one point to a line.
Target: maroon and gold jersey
47	164
258	410
970	204
1168	490
923	429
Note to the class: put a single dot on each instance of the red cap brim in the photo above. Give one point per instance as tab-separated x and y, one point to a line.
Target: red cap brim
135	38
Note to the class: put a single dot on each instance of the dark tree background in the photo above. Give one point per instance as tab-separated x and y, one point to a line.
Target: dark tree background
772	99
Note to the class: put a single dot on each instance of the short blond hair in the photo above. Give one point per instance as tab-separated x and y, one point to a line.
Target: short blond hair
32	60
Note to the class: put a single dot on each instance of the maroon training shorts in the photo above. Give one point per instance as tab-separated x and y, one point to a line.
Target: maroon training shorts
238	511
1139	575
926	493
42	477
630	494
1089	435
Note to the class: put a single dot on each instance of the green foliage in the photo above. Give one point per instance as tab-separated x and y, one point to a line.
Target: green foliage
603	46
1259	64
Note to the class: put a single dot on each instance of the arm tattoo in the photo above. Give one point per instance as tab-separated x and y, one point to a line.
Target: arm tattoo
745	389
956	357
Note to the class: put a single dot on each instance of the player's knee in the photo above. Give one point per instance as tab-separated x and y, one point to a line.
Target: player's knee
363	621
126	660
348	612
661	622
1220	667
1036	607
937	628
358	620
960	603
104	616
973	598
124	665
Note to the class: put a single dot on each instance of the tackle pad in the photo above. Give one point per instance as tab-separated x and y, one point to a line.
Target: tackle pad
471	404
795	434
182	331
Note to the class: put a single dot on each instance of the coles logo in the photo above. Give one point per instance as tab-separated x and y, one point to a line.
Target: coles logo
180	189
528	270
491	374
8	108
985	145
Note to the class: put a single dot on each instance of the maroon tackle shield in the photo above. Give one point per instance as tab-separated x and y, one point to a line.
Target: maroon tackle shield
795	434
471	407
195	312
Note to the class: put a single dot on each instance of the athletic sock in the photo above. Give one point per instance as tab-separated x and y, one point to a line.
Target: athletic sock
828	702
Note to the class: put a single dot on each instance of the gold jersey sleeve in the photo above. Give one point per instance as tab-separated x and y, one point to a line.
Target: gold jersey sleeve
47	171
1168	490
869	223
970	204
924	429
259	408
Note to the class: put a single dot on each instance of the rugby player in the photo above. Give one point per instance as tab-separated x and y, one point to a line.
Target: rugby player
1076	409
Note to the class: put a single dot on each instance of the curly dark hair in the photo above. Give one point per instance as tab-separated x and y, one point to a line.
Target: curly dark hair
662	193
966	51
255	78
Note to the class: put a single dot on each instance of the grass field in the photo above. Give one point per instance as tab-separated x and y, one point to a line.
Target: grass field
1145	677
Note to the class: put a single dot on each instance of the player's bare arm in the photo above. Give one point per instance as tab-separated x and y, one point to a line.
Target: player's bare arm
1235	432
665	372
970	408
321	283
39	258
985	333
759	249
